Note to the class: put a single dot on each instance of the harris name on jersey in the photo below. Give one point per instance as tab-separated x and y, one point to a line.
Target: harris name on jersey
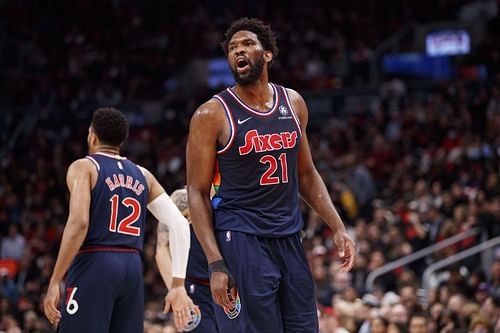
120	180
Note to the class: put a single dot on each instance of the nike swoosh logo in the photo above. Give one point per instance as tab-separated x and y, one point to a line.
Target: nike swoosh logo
244	120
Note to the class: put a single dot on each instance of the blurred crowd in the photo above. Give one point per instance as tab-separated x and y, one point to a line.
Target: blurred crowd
80	53
415	167
414	170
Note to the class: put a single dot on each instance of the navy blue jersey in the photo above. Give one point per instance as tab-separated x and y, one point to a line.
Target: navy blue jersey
257	168
197	264
118	208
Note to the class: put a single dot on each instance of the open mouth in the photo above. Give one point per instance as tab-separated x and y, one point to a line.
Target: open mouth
242	63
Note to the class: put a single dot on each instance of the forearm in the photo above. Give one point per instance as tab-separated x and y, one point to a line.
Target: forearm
315	194
72	239
164	263
201	219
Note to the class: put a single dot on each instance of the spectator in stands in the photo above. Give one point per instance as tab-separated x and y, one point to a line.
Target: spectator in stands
418	323
14	244
399	314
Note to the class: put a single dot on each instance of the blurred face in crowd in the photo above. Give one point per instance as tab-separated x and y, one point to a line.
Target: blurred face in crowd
495	271
436	310
377	260
341	280
247	57
456	302
418	325
408	296
489	309
398	314
393	328
444	294
378	325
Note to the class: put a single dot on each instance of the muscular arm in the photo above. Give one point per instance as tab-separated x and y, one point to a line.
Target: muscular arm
80	179
313	189
163	256
206	131
201	153
311	185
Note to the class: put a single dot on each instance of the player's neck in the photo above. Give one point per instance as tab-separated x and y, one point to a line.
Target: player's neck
107	150
258	95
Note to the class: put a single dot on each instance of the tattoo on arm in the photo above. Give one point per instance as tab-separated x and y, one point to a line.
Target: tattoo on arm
162	235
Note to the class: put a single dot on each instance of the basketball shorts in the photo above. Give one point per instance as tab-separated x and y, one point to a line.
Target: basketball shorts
201	296
274	283
104	294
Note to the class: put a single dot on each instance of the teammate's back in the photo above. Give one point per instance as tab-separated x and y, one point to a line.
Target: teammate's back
103	237
118	204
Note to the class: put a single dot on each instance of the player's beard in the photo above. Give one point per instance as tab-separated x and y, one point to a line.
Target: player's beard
252	76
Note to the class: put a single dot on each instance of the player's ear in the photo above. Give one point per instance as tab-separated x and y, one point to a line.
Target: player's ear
93	139
268	56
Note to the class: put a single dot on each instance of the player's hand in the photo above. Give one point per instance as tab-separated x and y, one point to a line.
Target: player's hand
181	304
51	303
220	283
346	248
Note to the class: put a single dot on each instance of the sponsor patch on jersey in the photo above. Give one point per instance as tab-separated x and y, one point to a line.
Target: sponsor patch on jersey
228	236
194	320
235	311
283	110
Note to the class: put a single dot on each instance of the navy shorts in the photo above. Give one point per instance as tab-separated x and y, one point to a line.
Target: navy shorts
274	283
104	294
201	296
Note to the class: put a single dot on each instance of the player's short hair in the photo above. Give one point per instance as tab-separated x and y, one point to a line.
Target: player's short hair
264	33
110	125
180	199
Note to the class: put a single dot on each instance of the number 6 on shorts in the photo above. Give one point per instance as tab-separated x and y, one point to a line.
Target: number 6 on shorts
71	303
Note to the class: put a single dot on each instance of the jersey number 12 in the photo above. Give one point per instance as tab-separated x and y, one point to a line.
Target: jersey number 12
125	225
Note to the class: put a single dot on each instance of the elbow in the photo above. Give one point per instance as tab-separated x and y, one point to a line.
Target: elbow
306	176
77	227
80	224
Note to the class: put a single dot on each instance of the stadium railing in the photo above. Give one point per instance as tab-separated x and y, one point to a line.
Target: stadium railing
370	280
480	248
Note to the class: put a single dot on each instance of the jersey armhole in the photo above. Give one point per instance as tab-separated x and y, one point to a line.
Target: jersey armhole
232	126
97	166
294	115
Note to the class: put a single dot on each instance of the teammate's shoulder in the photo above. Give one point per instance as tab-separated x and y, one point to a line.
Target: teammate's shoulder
294	94
210	106
81	165
144	171
210	109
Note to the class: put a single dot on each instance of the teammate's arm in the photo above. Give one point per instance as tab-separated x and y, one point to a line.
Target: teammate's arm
206	131
167	214
79	181
313	189
163	257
